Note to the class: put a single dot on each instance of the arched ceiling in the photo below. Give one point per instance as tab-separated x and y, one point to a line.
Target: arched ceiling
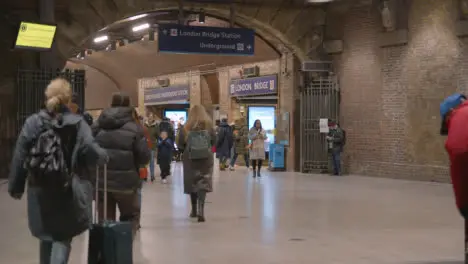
285	24
280	25
125	65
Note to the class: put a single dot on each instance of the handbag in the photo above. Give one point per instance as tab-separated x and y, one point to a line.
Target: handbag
143	173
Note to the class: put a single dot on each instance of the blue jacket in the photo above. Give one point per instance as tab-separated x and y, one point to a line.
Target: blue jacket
165	149
57	216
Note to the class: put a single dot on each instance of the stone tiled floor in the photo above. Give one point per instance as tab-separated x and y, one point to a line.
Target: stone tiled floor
284	218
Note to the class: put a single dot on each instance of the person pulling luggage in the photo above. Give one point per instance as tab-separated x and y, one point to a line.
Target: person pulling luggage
117	131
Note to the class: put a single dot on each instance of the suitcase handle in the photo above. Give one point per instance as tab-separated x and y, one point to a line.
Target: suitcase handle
96	210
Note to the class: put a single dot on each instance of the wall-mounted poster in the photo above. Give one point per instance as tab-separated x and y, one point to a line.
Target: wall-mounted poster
323	124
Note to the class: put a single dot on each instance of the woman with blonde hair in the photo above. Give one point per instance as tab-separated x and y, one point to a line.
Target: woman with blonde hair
196	139
52	154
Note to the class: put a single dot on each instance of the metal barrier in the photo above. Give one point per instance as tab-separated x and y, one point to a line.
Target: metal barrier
27	98
320	98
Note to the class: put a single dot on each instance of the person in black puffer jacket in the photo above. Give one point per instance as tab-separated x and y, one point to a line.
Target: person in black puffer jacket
117	132
224	143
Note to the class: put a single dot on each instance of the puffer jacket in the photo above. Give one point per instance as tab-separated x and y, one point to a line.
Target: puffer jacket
117	132
224	141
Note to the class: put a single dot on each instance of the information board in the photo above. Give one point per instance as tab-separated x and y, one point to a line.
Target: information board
206	40
35	36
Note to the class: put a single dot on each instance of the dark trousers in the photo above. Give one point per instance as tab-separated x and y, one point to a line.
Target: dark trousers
234	158
165	167
54	252
336	158
256	163
129	207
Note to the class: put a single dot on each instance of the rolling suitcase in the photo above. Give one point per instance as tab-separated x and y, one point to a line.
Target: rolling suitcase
110	242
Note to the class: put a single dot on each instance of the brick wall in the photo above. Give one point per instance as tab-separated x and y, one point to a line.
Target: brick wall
226	74
391	95
192	78
99	88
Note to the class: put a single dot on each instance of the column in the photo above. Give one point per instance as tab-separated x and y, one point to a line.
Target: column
47	15
287	90
195	89
224	97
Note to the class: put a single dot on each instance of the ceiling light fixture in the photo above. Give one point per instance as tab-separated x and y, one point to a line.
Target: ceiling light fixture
101	39
201	17
137	17
140	27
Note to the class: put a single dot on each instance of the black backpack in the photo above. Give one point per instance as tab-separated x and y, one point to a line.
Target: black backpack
49	158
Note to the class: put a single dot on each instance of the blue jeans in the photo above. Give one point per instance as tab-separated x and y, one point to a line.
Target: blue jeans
54	252
234	158
151	165
336	158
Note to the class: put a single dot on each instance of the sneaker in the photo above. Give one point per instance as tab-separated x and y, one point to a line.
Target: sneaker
164	181
231	168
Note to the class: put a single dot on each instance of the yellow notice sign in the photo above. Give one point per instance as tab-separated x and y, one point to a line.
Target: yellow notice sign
36	36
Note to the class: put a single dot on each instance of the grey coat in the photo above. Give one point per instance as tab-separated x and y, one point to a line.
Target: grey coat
257	150
198	175
61	215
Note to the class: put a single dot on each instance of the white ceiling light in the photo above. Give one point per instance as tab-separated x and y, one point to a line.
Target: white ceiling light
101	39
140	27
138	17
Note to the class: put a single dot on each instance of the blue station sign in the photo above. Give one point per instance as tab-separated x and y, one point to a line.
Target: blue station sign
206	40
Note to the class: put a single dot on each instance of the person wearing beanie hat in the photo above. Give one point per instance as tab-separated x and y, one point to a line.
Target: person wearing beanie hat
454	115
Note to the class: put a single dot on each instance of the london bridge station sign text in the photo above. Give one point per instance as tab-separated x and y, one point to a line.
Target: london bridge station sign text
206	40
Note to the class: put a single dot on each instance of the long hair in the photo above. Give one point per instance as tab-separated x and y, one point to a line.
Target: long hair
57	93
198	118
258	120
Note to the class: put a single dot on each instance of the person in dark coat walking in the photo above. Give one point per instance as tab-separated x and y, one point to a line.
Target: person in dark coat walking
224	143
54	217
118	132
198	174
241	139
165	149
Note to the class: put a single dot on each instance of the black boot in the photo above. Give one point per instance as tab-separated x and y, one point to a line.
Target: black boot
258	174
193	200
201	206
254	173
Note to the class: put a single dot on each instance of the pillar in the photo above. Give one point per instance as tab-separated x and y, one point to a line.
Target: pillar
224	97
195	88
49	59
287	89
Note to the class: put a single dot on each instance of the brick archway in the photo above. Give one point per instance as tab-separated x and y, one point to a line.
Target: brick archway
276	24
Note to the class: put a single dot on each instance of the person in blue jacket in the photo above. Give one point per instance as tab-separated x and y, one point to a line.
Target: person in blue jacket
165	149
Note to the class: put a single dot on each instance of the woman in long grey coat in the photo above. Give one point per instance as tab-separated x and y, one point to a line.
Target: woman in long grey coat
198	174
257	136
55	217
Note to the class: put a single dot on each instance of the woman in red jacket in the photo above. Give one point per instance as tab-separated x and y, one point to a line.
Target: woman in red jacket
454	113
